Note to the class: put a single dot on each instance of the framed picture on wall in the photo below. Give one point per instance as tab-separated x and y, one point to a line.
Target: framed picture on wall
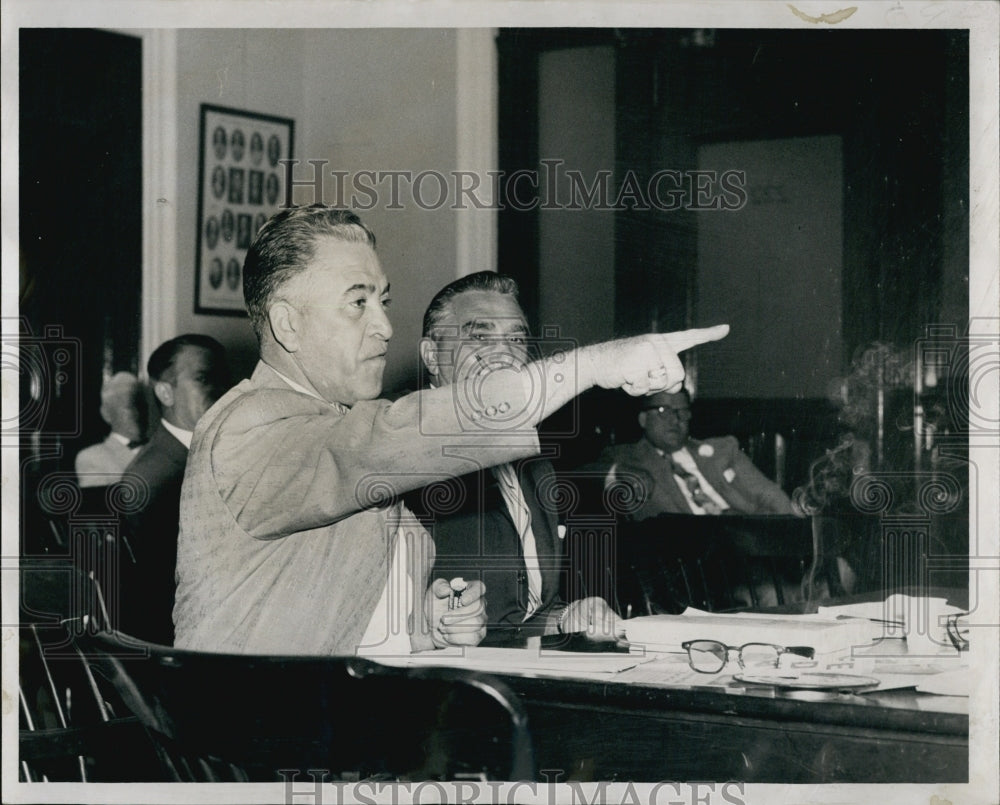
241	181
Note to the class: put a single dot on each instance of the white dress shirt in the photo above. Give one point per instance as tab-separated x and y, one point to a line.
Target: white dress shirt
181	435
686	460
513	496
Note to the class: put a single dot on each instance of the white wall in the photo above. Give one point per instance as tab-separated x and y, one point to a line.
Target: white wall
257	70
372	99
384	100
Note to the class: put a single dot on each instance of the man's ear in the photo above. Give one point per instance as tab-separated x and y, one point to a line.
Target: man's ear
285	321
164	393
429	355
642	420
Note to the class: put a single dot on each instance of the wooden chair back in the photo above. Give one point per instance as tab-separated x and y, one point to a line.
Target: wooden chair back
218	717
729	562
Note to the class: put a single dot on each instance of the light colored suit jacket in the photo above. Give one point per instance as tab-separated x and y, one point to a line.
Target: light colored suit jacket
288	515
103	463
745	488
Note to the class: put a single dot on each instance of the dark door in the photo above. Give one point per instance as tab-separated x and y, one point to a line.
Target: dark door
80	236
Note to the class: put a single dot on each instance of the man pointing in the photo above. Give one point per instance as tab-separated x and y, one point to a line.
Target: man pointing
291	538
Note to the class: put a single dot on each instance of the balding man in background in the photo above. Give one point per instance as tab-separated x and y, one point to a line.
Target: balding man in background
123	408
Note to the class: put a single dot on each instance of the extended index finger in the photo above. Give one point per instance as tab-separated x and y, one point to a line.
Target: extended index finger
685	339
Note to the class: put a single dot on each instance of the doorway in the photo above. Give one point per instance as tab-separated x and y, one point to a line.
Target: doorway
80	239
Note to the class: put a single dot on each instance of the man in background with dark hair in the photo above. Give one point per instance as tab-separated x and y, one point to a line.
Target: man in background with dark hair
504	529
187	375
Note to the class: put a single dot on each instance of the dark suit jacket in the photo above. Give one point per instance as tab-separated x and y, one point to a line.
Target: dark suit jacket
476	539
745	488
148	599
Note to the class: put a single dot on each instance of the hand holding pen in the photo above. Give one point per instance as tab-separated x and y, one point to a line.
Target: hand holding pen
458	586
457	613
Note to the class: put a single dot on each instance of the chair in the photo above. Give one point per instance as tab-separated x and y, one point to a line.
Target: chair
87	526
242	718
69	730
670	562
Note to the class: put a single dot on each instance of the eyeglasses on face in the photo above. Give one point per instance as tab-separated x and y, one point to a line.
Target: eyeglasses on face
711	656
665	411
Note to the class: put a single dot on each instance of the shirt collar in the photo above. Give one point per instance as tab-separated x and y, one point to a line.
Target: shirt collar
183	436
300	388
119	438
296	386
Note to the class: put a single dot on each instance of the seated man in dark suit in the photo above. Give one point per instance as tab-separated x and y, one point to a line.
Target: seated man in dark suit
187	374
675	473
495	524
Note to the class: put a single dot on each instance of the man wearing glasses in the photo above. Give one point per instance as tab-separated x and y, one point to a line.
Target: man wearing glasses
675	473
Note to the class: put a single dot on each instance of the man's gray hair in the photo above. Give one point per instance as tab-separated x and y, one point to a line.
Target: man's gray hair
120	391
480	281
283	248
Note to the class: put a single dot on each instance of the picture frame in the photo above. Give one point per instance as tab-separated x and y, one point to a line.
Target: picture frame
241	183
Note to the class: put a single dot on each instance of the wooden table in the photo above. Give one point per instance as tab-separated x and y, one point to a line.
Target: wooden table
624	729
620	731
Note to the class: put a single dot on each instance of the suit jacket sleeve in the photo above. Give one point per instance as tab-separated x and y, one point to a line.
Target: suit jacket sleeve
285	462
765	495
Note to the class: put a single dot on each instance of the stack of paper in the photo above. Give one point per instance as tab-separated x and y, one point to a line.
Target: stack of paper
823	635
914	617
521	660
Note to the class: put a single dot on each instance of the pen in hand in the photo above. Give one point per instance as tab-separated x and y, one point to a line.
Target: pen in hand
458	586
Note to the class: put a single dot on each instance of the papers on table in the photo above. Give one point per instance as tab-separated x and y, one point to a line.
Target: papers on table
673	670
523	661
921	620
949	683
825	635
940	675
847	640
903	671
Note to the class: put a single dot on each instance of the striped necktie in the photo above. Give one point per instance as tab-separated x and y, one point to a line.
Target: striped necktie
698	494
513	496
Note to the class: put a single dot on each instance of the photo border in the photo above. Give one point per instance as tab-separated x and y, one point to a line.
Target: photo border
979	17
